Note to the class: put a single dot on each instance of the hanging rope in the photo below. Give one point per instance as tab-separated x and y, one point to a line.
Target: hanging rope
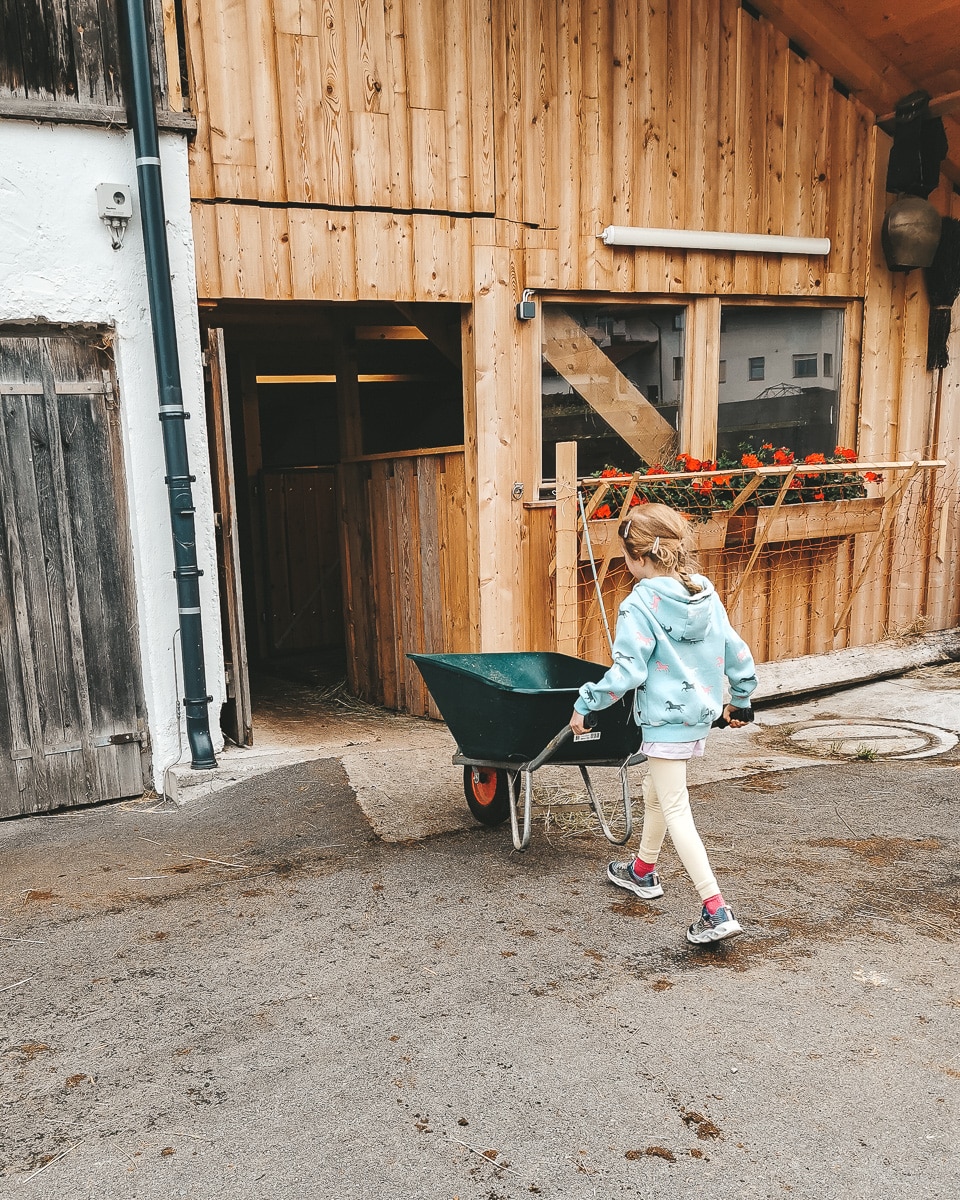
593	567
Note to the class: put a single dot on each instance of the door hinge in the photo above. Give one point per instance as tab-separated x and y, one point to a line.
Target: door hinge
118	739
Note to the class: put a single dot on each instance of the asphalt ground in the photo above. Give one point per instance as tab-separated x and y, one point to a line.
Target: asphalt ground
256	996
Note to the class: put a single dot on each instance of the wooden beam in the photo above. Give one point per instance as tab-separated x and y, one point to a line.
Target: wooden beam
573	354
938	107
90	114
567	567
440	333
701	386
840	46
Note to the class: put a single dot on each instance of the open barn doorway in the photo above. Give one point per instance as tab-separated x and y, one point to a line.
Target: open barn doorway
315	413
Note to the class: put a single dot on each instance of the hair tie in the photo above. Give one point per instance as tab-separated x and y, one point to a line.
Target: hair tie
656	546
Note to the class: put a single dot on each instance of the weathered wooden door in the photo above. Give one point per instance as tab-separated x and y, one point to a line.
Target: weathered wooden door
236	718
72	727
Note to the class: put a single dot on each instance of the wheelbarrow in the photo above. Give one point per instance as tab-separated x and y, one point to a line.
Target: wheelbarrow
509	715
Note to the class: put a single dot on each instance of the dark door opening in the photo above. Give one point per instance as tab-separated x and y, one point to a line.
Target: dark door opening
313	391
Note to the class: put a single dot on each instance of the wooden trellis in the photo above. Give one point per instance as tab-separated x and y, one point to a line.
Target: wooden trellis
869	520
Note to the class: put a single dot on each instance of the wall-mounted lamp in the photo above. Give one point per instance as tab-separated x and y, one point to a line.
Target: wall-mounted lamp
115	205
708	239
526	309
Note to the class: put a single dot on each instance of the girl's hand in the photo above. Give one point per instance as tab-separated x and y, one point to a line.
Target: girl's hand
576	723
731	721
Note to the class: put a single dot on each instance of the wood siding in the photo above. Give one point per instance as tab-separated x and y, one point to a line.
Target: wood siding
404	553
338	160
64	60
71	712
304	607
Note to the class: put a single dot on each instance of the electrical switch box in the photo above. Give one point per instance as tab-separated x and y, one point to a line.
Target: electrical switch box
115	201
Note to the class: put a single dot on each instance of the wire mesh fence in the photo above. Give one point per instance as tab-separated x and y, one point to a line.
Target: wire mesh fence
808	557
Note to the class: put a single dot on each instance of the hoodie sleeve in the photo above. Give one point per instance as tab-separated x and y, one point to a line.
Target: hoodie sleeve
738	665
632	647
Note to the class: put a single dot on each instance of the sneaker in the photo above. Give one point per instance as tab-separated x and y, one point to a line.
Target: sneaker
647	887
723	924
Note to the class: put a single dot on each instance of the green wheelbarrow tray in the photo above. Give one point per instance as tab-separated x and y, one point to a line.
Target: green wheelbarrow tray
509	715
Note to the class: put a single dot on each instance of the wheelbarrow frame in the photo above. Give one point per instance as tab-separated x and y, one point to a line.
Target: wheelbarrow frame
525	771
501	706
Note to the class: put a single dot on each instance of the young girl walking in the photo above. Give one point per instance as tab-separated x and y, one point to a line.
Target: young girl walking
674	645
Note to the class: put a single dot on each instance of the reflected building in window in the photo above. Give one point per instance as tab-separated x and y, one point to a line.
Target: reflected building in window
778	382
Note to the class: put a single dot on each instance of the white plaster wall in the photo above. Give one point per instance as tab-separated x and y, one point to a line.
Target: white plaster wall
57	265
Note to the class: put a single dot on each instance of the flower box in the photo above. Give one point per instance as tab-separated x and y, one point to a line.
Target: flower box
821	519
809	521
704	535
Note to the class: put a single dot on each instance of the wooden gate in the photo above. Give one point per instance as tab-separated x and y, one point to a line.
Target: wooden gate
72	725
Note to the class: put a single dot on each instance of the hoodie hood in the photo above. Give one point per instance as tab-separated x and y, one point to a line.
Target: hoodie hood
682	617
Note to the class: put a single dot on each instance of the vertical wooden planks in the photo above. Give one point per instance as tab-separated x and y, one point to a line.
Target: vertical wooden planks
493	358
650	180
538	95
357	575
701	393
264	83
70	701
457	595
507	32
596	65
623	119
568	165
567	571
228	96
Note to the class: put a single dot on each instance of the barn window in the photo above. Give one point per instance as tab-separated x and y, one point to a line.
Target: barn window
612	381
779	396
805	366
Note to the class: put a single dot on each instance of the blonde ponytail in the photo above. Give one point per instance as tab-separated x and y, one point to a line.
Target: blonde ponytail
658	533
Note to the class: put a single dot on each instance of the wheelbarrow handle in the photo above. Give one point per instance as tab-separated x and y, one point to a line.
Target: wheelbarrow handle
555	743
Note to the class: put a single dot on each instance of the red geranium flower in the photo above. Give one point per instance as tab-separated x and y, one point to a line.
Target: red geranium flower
603	512
751	460
767	446
873	477
818	496
656	469
783	457
845	452
815	458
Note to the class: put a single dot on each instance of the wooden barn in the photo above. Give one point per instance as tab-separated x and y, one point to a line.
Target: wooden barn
428	311
473	275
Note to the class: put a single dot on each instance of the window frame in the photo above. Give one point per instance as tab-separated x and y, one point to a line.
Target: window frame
699	412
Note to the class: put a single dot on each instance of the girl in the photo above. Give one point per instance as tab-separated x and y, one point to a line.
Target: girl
674	644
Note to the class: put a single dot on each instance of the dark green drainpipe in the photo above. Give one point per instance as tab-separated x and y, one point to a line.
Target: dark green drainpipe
143	118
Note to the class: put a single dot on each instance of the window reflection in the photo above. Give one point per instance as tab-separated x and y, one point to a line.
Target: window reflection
779	384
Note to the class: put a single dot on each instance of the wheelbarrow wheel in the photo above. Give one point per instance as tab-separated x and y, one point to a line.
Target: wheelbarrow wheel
487	790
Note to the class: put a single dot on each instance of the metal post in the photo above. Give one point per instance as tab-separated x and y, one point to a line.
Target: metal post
143	118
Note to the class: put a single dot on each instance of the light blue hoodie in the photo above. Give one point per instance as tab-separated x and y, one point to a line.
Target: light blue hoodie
675	649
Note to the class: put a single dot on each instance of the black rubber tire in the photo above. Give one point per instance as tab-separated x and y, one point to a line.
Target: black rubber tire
489	798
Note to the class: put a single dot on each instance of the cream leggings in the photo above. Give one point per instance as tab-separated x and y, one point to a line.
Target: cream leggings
666	804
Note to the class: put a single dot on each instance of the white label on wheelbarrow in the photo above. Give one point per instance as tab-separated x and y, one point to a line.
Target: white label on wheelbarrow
587	737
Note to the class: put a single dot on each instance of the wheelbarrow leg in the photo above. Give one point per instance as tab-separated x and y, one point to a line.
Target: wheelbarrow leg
521	842
627	808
